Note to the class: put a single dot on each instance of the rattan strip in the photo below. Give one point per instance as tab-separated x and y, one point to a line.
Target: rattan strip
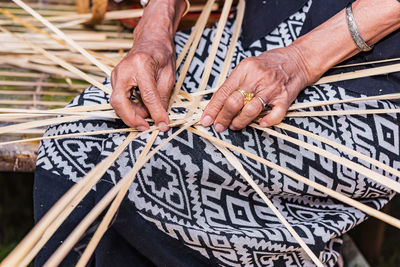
349	201
239	167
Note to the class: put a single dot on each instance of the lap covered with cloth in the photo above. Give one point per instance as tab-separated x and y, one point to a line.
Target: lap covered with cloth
189	207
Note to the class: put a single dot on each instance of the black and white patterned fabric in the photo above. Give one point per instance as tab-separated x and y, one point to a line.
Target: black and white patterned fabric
188	202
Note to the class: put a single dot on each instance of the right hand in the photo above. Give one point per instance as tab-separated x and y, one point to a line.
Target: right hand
149	65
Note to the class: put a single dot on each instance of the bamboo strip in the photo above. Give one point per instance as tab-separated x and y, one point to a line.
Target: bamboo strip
44	12
62	62
55	112
342	112
38	5
34	236
377	177
110	44
202	23
193	109
67	205
35	124
367	63
91	181
68	40
233	160
359	74
38	30
44	84
118	14
232	45
126	181
351	202
341	147
120	130
104	202
143	158
45	93
215	44
14	116
29	102
20	74
342	101
47	69
189	41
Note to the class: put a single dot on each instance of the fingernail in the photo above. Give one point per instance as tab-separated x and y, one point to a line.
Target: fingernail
219	127
141	128
163	126
263	124
233	128
206	121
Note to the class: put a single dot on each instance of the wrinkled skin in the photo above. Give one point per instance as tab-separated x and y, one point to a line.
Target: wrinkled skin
277	76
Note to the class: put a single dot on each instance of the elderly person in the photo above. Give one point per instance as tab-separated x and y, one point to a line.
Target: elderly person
188	206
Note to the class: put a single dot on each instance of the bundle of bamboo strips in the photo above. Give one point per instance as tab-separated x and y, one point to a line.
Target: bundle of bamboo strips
58	65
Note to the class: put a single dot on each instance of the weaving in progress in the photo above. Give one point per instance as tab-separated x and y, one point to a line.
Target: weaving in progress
259	144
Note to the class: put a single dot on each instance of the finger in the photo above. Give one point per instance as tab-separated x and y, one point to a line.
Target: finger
151	99
165	84
231	108
248	114
132	115
217	101
275	116
125	109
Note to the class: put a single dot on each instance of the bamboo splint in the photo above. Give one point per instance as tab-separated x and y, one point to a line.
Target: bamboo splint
340	147
349	201
61	62
379	178
59	33
233	160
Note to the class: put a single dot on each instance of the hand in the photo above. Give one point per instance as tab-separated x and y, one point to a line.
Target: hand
276	76
149	65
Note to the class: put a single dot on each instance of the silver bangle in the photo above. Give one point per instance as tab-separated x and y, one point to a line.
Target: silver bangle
355	34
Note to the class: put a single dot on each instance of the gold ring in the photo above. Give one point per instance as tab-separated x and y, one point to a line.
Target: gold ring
246	95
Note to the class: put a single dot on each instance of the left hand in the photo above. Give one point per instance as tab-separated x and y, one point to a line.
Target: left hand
277	76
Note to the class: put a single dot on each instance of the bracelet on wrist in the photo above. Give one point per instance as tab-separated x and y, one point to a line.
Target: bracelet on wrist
355	34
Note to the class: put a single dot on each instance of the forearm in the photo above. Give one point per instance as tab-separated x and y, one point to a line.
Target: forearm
162	16
331	42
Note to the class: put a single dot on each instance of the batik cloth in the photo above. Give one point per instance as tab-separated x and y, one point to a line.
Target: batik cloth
189	207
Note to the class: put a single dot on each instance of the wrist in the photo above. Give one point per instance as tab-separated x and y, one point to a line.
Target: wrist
163	15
